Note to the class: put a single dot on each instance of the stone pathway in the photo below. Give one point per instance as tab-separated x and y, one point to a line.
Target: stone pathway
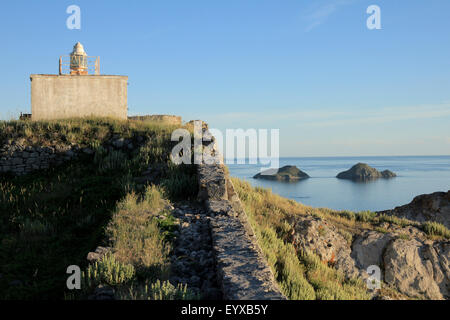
192	258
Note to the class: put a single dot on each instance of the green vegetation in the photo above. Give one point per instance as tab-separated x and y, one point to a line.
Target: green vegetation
140	258
282	258
107	270
136	237
52	218
436	229
157	291
86	132
329	283
300	275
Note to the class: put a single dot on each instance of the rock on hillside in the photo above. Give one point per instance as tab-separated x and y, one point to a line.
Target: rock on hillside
426	207
416	266
363	172
286	173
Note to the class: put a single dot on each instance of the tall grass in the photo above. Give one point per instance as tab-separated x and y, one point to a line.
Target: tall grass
436	229
159	290
50	219
136	237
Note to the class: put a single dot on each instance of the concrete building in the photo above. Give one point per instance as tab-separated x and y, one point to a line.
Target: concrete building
78	91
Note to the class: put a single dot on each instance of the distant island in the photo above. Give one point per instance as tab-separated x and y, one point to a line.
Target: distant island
364	172
286	173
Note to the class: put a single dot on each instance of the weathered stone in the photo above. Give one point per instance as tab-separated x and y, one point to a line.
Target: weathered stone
409	272
16	161
426	207
212	183
368	248
312	234
242	270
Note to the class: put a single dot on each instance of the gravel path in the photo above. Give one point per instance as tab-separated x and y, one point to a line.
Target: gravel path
192	258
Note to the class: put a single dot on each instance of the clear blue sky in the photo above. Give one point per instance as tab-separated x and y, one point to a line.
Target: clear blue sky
309	68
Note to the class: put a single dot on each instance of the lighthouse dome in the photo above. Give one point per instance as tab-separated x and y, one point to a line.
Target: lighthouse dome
78	50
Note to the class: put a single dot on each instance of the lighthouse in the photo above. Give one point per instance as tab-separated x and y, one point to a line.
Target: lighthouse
78	60
79	90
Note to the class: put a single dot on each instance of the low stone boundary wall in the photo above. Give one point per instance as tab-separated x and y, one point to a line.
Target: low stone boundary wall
20	160
242	269
167	119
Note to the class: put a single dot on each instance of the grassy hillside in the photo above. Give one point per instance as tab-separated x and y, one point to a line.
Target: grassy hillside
302	275
52	218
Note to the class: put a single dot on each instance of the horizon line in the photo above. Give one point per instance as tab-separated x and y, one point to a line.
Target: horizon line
350	156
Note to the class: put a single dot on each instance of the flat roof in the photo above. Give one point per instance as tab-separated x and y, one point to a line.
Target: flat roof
70	75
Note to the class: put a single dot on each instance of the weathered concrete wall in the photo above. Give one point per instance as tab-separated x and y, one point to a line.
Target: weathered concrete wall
65	96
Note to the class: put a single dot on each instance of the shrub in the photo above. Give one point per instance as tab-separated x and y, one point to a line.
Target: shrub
366	216
436	229
108	270
396	220
114	160
136	236
181	181
350	215
288	272
331	284
157	291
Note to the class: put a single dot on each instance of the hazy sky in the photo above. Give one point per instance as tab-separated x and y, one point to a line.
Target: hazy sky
309	68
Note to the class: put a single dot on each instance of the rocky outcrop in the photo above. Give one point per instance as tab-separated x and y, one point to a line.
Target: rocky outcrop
409	266
367	248
427	207
286	173
363	172
315	235
411	263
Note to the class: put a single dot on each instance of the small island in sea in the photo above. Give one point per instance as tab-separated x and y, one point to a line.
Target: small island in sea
286	173
364	172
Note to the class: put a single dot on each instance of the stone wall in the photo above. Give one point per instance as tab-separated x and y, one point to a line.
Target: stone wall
65	96
242	270
167	119
19	160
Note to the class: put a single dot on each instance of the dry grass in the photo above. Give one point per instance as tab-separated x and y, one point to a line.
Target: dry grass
300	275
135	234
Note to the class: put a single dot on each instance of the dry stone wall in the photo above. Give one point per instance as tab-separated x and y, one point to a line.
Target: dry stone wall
20	160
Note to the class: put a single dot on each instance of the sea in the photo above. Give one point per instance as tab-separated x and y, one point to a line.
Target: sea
416	175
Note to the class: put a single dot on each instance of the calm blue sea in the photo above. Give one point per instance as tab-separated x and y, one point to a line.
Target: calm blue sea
415	175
